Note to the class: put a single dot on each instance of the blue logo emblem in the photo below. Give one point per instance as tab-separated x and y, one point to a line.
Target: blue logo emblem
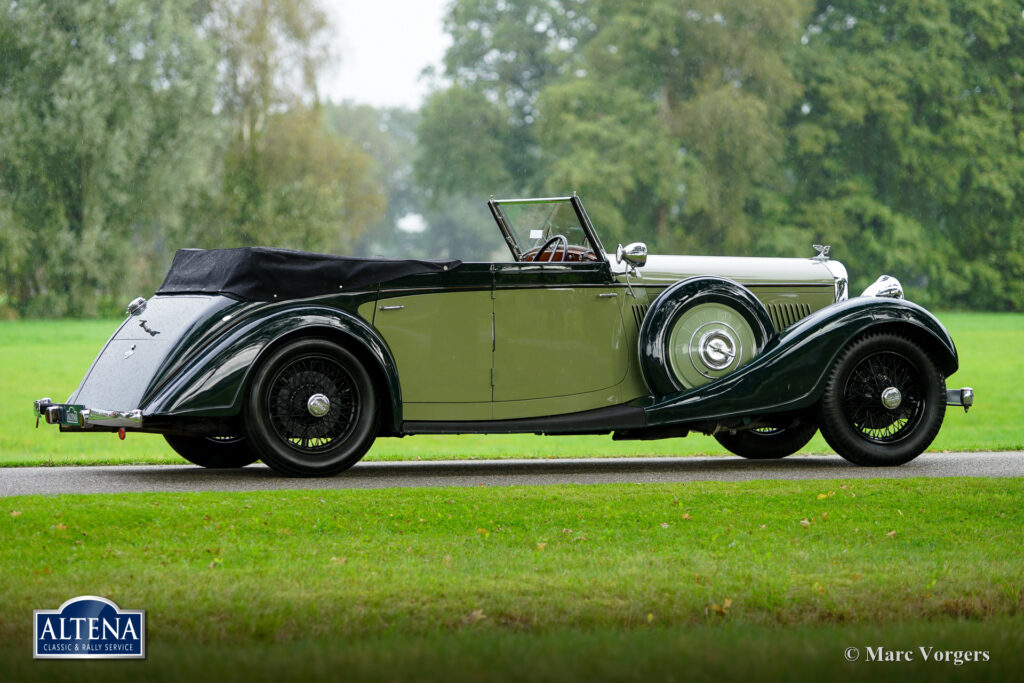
89	627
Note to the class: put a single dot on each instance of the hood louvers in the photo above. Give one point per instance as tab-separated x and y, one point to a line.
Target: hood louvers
786	315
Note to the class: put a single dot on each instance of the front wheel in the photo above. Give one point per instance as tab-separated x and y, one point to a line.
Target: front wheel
768	443
311	409
213	452
884	401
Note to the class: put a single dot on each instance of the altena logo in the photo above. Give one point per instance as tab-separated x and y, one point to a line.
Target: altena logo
89	627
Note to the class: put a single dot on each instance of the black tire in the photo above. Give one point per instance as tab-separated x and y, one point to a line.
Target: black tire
768	443
280	423
852	417
213	452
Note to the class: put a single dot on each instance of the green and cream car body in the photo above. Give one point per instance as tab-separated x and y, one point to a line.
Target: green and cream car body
303	360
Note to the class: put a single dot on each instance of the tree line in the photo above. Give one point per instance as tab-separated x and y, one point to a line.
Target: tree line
129	128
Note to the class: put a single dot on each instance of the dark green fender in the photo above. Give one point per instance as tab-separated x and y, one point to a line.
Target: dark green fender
790	373
213	384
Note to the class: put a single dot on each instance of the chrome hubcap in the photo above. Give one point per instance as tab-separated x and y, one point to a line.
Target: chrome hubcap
717	349
318	405
891	398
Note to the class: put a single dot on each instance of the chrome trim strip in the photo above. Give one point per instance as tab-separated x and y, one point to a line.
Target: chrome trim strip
532	200
841	277
434	289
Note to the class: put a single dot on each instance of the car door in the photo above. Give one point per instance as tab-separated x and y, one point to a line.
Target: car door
559	344
439	329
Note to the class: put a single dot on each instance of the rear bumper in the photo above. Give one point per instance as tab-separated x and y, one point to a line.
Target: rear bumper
78	416
960	397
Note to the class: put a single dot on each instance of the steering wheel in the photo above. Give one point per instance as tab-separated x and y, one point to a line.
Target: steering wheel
553	240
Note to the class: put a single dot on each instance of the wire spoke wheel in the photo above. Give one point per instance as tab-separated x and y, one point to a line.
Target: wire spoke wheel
312	409
769	442
213	452
884	401
290	393
863	397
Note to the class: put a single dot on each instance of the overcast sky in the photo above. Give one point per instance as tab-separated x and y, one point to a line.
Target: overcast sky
381	46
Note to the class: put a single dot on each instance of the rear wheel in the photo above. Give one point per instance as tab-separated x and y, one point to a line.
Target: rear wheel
884	401
768	443
213	452
311	409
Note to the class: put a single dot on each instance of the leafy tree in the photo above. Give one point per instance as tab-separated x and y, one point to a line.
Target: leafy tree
271	52
908	144
296	185
456	226
503	54
675	117
287	179
105	119
388	137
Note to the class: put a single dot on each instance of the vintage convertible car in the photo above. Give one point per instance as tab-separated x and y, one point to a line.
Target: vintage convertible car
302	360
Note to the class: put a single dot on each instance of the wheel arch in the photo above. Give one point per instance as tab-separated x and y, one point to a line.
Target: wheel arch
942	353
368	348
214	384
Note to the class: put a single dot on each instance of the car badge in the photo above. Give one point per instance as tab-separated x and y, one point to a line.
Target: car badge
129	352
822	252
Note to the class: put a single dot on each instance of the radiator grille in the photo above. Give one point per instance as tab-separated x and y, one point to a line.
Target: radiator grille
639	311
785	315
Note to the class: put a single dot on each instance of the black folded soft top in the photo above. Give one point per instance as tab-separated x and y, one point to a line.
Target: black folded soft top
266	274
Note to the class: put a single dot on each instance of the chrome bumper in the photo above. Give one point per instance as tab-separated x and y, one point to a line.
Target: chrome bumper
960	397
74	415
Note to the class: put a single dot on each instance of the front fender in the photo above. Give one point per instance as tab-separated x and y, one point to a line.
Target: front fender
790	374
212	385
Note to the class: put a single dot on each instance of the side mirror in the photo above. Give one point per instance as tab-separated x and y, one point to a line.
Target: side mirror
634	253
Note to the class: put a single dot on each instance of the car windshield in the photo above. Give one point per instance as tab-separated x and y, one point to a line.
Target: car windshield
532	222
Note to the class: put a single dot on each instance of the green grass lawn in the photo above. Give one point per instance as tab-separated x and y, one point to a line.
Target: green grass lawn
676	581
49	358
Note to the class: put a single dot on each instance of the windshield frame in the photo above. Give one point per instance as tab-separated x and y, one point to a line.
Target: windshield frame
581	215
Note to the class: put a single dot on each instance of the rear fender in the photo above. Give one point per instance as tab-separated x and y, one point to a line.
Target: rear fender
213	385
790	374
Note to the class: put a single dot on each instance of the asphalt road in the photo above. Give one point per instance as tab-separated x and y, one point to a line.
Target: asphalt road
132	478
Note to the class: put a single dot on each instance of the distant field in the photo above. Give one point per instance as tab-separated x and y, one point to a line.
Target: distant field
48	358
705	581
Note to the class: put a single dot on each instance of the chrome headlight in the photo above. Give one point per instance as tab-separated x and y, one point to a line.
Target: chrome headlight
886	286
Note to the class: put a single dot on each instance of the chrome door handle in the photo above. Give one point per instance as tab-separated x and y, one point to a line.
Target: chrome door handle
391	308
607	295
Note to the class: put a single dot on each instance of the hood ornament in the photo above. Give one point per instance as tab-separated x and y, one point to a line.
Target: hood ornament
822	252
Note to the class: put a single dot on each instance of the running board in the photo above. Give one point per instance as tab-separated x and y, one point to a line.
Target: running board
599	421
